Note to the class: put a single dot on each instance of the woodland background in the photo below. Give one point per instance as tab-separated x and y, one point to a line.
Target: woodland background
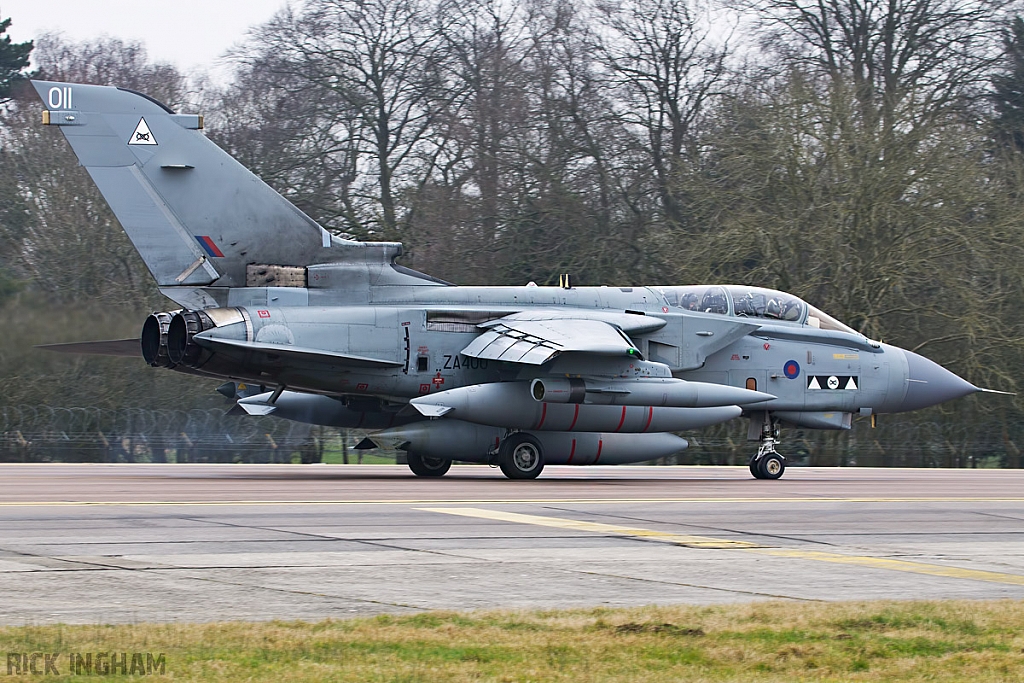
867	156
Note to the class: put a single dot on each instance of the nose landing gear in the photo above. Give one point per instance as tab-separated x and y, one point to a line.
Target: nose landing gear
768	463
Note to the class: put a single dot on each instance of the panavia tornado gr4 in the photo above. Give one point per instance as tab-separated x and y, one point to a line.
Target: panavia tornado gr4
341	335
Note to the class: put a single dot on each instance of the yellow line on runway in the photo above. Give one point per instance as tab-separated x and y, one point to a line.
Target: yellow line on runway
726	544
516	501
575	525
897	565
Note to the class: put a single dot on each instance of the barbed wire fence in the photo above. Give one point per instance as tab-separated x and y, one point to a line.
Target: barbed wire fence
895	443
43	433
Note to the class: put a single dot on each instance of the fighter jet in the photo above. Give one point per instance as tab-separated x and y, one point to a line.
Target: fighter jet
339	334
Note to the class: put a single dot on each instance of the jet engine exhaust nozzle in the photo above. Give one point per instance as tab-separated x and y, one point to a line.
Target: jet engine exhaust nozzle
154	340
182	348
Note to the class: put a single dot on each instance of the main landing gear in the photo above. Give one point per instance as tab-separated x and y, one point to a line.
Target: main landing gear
520	456
767	463
427	467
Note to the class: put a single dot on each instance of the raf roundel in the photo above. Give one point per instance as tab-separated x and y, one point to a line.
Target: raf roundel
792	369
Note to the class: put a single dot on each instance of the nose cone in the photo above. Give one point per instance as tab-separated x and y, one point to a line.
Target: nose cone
930	384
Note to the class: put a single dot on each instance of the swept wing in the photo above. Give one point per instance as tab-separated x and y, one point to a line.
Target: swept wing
535	337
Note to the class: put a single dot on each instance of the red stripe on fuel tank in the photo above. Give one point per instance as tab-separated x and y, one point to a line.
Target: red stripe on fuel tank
543	415
650	416
572	452
623	420
600	445
575	417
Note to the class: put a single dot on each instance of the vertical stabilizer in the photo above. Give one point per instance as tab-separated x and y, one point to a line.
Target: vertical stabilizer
196	215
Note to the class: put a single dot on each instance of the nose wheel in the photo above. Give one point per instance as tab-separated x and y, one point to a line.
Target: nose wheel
768	463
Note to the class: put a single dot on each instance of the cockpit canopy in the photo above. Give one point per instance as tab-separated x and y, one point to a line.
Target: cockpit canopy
751	302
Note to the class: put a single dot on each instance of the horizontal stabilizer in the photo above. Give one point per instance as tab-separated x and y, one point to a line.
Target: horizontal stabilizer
126	348
235	347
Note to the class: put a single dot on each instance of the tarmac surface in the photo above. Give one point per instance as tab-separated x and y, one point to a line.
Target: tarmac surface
164	543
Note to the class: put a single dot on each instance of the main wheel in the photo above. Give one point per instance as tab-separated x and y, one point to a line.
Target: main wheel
771	466
755	467
521	457
427	467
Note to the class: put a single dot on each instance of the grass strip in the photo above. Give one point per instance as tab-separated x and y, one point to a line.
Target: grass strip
770	641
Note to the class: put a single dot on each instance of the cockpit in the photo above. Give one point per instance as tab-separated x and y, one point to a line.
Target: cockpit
751	302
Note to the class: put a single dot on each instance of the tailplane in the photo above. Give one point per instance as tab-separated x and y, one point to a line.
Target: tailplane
197	216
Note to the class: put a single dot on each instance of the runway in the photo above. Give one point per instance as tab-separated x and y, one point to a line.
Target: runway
132	543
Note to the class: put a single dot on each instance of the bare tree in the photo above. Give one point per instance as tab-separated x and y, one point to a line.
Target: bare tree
861	168
583	164
301	140
1007	96
374	55
110	61
665	64
522	173
483	123
907	62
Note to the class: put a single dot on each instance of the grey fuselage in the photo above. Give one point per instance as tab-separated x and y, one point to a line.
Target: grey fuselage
423	330
332	331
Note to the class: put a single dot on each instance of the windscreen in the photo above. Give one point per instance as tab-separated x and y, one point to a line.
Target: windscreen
823	321
751	302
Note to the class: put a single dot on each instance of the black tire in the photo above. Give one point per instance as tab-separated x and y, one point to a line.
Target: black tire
521	457
754	465
427	467
772	466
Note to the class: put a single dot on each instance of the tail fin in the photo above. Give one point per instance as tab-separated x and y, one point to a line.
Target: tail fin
195	215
